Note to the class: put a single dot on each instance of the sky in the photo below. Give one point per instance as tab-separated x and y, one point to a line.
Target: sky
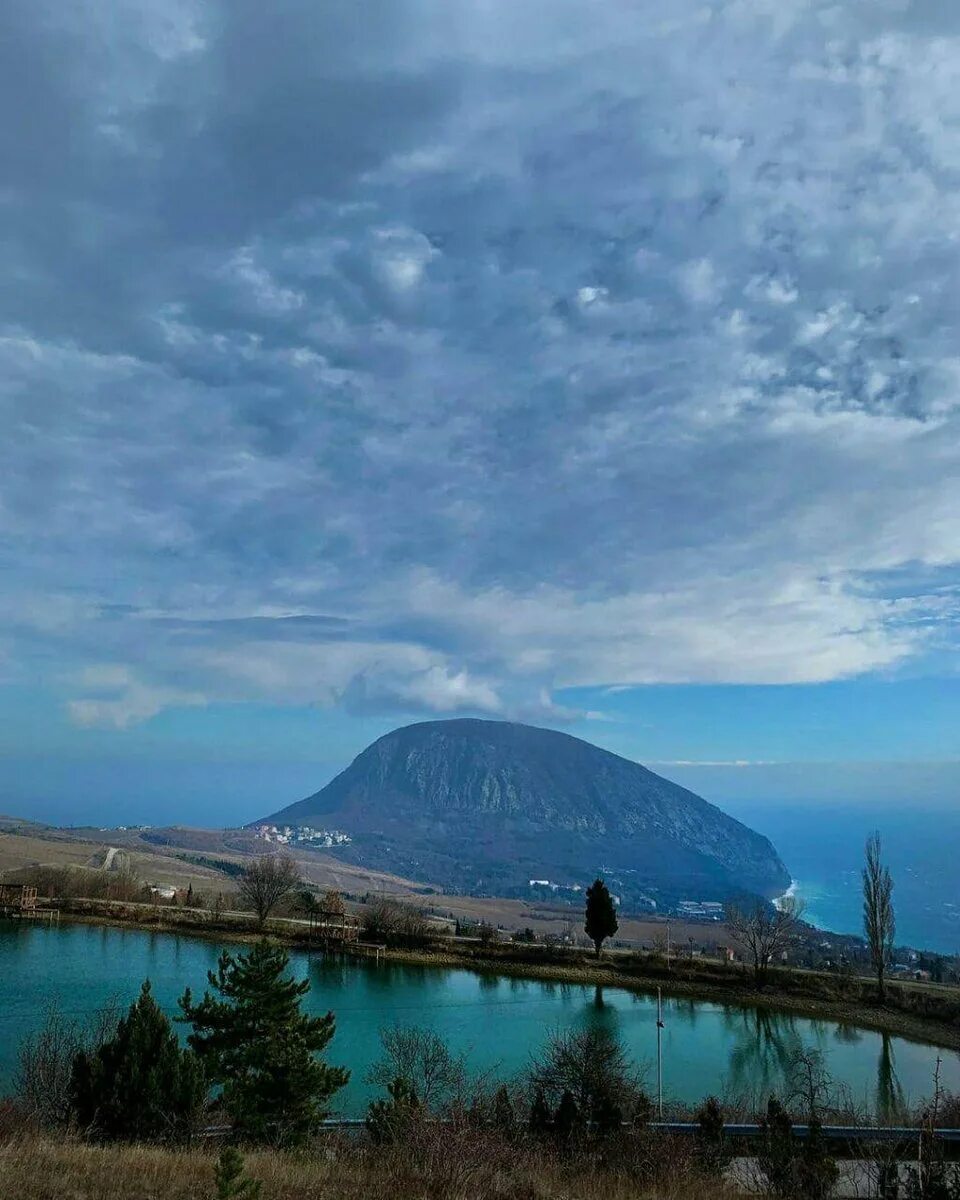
587	364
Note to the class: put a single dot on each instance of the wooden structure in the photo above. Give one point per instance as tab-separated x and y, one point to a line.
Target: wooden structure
334	928
17	900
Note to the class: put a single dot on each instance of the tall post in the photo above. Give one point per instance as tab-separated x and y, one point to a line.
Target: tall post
659	1054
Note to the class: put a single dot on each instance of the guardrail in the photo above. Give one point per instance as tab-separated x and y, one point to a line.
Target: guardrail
852	1136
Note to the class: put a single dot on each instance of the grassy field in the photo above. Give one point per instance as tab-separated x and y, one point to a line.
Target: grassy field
454	1165
158	863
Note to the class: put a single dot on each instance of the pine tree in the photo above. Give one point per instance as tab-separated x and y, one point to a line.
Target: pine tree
600	918
230	1180
141	1085
262	1048
387	1119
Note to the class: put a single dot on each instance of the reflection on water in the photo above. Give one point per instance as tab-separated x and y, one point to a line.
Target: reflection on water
891	1103
763	1046
498	1022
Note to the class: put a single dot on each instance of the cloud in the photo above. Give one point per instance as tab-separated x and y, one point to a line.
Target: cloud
445	358
121	700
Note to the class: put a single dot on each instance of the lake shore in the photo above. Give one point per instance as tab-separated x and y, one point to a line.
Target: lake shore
685	978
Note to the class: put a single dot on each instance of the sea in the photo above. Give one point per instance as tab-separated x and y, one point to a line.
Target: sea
822	846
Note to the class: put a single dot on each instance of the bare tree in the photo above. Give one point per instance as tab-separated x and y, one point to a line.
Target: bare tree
332	904
592	1065
879	922
764	931
423	1060
266	881
45	1061
396	924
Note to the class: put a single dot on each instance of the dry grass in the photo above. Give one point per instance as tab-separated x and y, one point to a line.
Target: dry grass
443	1166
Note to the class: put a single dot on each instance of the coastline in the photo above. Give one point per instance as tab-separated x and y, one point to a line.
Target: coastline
790	894
684	978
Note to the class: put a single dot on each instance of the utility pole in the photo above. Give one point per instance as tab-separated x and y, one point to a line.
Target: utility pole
659	1054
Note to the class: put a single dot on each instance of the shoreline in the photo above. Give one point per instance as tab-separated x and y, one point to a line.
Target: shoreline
614	970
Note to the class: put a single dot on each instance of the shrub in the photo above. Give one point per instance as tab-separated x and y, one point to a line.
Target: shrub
593	1066
231	1183
389	1120
423	1061
45	1063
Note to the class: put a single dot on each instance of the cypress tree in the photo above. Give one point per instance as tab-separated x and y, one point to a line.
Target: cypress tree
567	1117
503	1115
141	1085
711	1135
540	1120
262	1048
600	917
776	1157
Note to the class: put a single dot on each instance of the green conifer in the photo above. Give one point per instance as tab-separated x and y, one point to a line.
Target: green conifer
600	918
263	1050
388	1119
230	1180
141	1085
566	1120
540	1121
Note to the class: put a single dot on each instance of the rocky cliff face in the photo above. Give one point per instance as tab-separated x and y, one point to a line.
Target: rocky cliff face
488	805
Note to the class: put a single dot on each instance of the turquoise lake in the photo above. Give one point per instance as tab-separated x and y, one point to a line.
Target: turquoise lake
497	1022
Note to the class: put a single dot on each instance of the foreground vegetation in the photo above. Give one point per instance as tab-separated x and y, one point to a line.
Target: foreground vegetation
443	1165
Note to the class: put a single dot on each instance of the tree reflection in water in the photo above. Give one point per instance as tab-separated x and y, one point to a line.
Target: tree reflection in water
764	1044
891	1101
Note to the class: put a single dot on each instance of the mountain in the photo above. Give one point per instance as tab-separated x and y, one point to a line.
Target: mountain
487	806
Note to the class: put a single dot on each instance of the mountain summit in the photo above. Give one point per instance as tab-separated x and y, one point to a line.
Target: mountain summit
488	806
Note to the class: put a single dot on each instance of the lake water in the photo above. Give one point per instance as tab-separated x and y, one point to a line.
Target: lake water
496	1021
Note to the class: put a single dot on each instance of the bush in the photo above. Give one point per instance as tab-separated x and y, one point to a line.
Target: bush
45	1063
422	1060
715	1152
389	1120
231	1182
593	1067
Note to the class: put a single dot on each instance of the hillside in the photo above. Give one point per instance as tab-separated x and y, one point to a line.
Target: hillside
486	806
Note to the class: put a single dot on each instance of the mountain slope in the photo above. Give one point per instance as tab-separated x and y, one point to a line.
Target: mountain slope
488	805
